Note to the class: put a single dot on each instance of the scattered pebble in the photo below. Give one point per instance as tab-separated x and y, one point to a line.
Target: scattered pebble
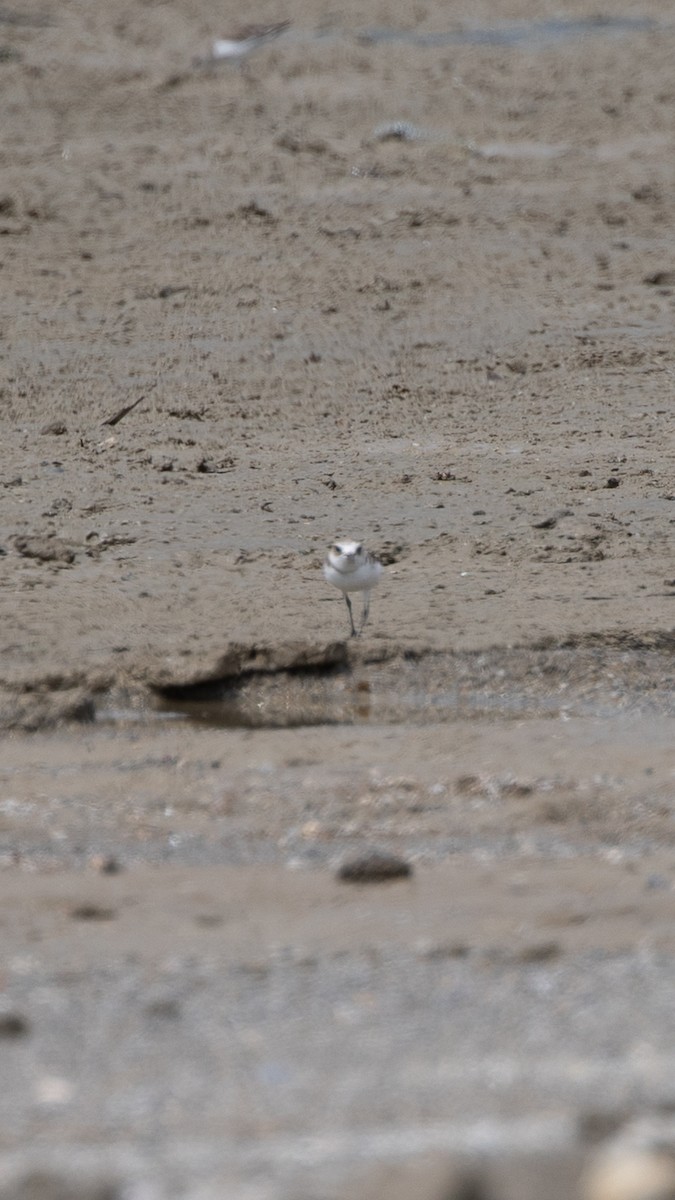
374	866
92	912
538	952
169	290
660	278
514	788
165	1008
527	953
107	864
13	1025
209	920
470	785
441	950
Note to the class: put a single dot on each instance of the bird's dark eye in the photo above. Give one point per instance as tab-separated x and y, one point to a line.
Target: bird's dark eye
336	549
359	548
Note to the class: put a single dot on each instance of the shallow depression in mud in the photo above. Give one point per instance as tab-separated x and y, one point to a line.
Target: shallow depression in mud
435	688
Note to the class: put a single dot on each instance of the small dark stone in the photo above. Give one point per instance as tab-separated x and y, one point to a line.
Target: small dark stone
514	788
660	278
538	952
612	482
469	785
165	292
82	710
92	912
13	1025
106	864
526	954
447	950
166	1008
374	866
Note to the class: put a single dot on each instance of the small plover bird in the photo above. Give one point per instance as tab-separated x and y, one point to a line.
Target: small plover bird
351	568
241	43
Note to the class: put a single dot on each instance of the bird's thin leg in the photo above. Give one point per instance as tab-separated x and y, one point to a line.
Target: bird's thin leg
366	610
351	616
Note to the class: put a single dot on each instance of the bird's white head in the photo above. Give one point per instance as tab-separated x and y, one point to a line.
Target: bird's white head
346	555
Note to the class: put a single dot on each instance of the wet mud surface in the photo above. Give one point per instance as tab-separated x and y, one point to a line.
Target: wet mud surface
401	276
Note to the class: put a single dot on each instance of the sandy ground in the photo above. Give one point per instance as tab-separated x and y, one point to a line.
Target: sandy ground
408	276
